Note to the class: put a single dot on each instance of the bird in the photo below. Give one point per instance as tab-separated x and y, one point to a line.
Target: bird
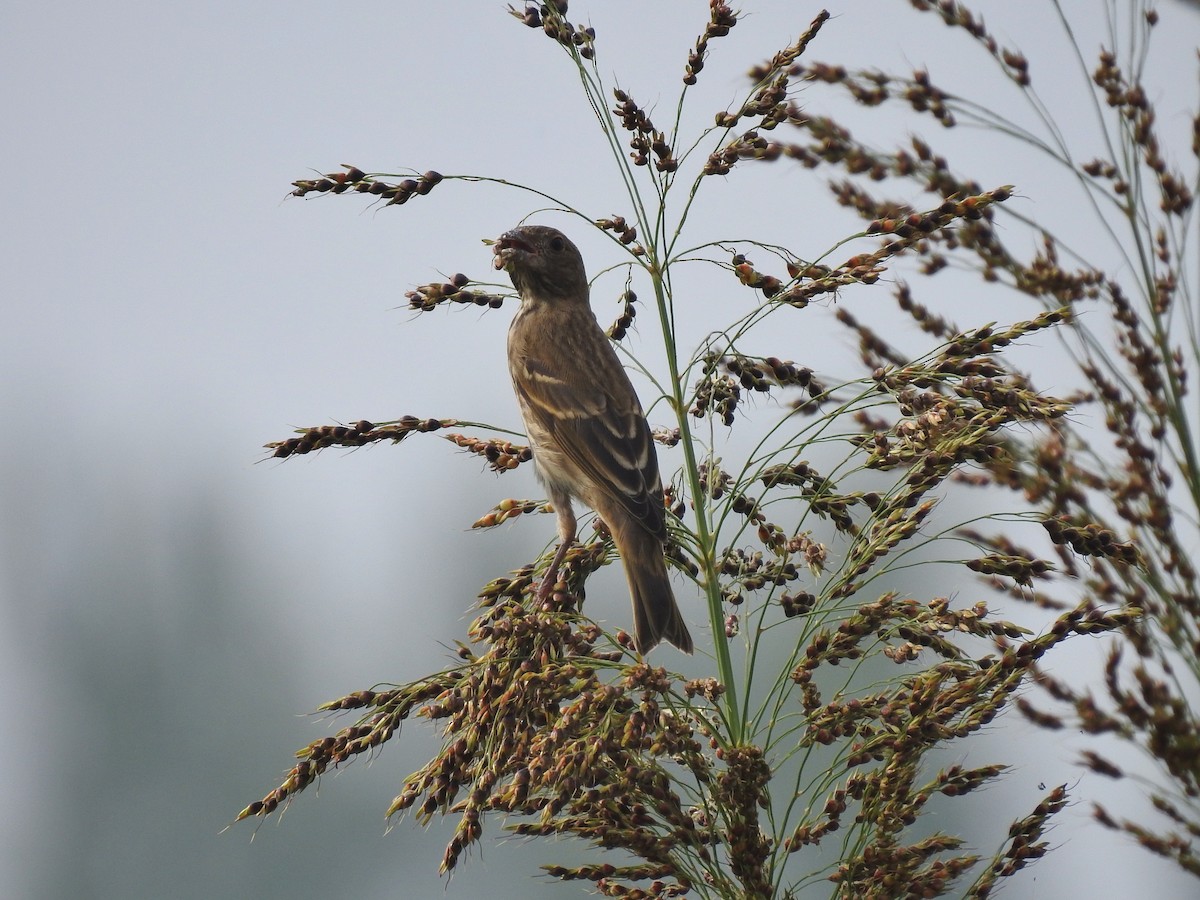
587	431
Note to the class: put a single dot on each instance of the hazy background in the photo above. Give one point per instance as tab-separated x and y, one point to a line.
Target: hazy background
171	605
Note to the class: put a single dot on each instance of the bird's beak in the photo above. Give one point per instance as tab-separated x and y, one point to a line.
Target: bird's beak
507	246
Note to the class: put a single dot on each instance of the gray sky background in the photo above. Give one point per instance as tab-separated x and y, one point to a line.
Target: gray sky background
170	604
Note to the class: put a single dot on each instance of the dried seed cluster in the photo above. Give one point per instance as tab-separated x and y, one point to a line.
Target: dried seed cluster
723	376
510	509
667	436
717	392
355	179
1133	106
873	88
1025	844
721	18
645	140
887	731
551	18
714	481
1020	569
1111	513
429	296
741	792
502	456
768	372
620	327
542	729
750	145
769	102
1092	540
820	494
751	277
625	232
749	571
356	435
388	710
957	15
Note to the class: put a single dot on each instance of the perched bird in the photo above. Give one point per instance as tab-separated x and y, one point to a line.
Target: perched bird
586	427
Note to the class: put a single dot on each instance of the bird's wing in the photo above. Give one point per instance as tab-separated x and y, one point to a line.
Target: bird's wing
591	411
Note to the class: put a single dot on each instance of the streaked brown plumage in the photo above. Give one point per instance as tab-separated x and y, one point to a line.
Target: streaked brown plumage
586	427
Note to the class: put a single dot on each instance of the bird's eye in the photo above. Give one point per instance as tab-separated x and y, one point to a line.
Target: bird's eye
557	245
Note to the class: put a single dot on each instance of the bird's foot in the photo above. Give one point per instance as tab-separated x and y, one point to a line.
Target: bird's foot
550	579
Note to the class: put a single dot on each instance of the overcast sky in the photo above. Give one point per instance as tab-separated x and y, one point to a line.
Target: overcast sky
171	604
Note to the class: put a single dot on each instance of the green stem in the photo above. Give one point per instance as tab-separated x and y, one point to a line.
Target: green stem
704	536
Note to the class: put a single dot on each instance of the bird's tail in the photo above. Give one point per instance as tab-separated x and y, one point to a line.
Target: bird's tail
656	616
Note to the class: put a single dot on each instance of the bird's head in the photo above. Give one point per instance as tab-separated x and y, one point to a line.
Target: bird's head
542	263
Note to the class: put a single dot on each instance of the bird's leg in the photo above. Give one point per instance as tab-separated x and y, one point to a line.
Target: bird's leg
551	577
566	537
